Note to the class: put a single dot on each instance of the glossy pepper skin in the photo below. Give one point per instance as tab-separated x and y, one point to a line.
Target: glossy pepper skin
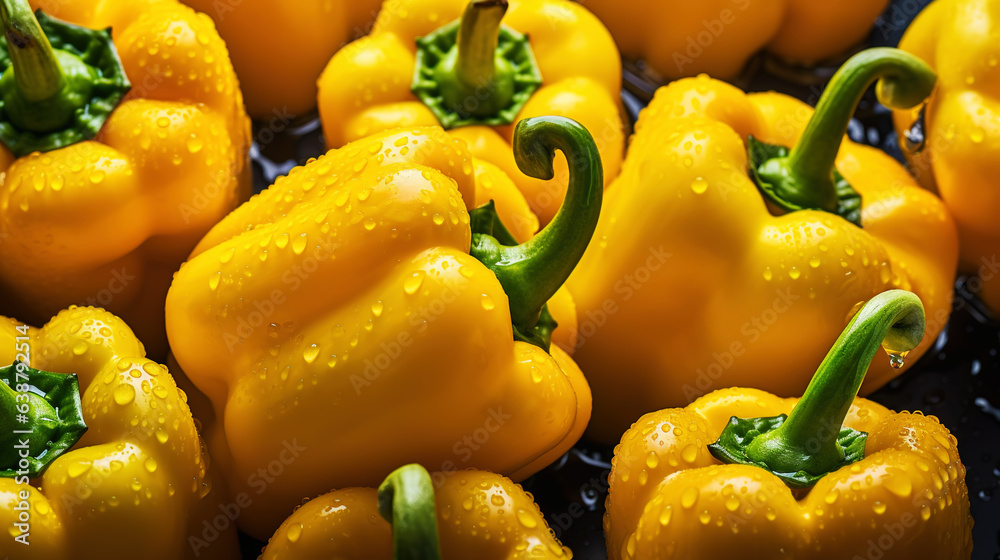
904	497
280	48
685	232
340	311
679	39
366	86
137	483
959	159
503	523
107	221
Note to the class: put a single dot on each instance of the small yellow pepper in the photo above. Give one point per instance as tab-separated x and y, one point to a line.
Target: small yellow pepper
678	38
741	473
280	48
138	482
741	260
478	78
351	311
103	215
444	515
960	158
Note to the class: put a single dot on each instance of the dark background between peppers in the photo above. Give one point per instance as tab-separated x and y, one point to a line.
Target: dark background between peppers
957	380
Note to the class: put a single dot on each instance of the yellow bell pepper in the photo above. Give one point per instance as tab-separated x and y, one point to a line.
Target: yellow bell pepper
825	477
701	276
452	515
340	325
411	71
280	48
105	220
137	483
960	156
677	39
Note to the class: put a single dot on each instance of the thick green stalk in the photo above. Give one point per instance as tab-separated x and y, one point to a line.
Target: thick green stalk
804	179
477	79
807	440
406	500
36	68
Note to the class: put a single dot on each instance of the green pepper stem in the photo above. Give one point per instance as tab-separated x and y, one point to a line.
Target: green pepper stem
406	500
36	69
478	36
475	79
807	440
904	82
531	272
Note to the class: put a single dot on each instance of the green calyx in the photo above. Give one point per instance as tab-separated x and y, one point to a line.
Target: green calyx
532	272
406	500
769	169
812	441
58	82
41	418
804	178
475	71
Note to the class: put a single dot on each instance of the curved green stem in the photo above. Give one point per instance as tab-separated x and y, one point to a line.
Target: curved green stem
36	69
804	179
406	500
807	440
531	272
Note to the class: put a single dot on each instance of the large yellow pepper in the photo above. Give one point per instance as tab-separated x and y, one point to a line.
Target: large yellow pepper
280	48
678	38
742	264
449	515
411	71
339	324
960	158
136	484
825	477
105	221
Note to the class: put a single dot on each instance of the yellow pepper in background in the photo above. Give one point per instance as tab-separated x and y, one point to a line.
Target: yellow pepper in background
837	478
450	515
138	482
679	39
340	327
960	158
106	221
462	78
698	280
280	48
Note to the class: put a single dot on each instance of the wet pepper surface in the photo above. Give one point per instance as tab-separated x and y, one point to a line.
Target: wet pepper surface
958	380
